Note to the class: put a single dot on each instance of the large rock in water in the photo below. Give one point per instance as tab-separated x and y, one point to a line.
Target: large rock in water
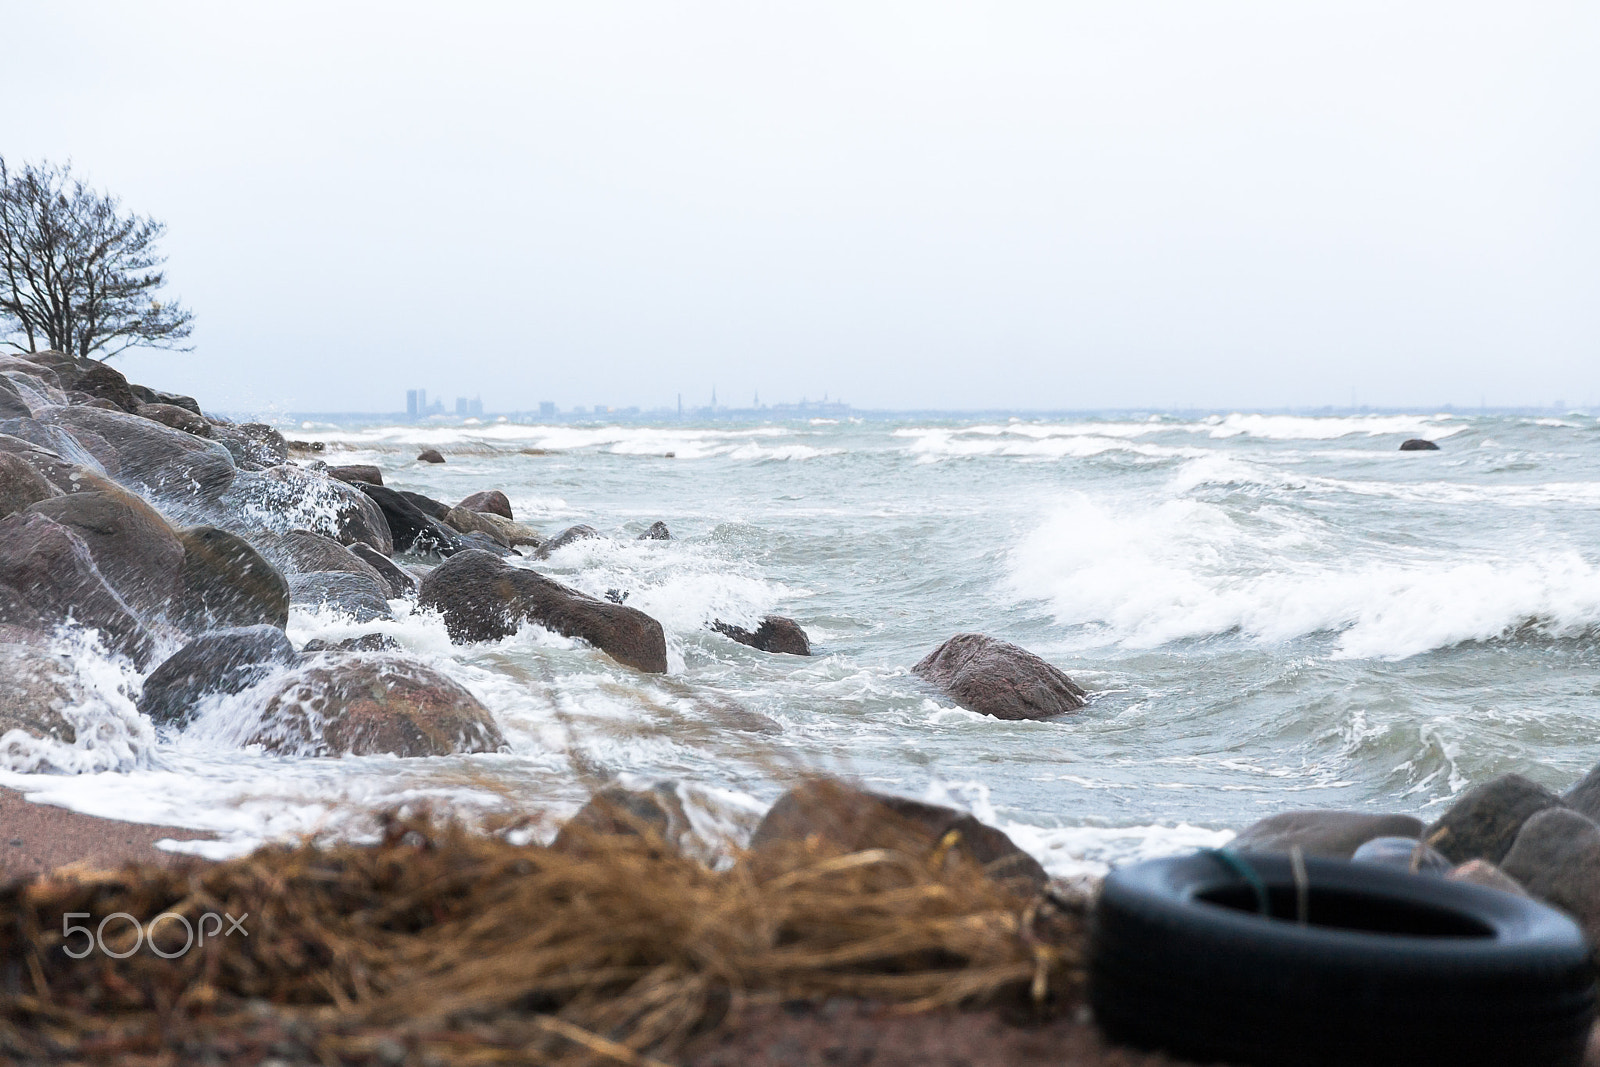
1334	834
362	597
357	472
38	687
570	536
48	576
134	547
853	820
21	485
775	634
997	678
485	599
366	704
464	521
413	530
400	583
153	457
1557	858
1418	444
227	583
223	661
1485	821
490	501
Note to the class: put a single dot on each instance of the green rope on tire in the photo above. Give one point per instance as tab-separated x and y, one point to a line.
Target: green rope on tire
1237	864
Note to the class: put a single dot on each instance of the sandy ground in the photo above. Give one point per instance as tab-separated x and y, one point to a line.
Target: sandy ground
37	837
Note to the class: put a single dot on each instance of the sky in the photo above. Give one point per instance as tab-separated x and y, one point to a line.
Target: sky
910	205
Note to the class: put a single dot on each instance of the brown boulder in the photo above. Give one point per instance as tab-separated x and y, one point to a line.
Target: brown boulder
1557	858
484	599
617	811
464	521
853	820
134	547
227	583
48	576
515	534
429	455
365	704
400	583
491	501
17	364
357	472
1334	834
997	678
301	551
223	661
154	457
775	634
1485	821
106	383
176	417
21	485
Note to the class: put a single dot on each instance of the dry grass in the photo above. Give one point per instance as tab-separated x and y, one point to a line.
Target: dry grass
442	945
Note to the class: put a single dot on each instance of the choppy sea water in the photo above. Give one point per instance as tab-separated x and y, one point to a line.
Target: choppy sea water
1271	612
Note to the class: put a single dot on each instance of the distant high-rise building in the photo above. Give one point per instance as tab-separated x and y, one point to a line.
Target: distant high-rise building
475	407
461	405
411	403
547	409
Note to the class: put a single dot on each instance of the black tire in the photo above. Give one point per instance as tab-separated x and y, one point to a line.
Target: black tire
1393	968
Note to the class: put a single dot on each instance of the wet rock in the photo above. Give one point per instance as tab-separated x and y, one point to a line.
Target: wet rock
429	455
84	400
491	501
1334	834
177	418
1417	444
361	643
177	400
1585	796
307	446
998	678
470	522
366	704
485	599
1484	822
658	532
1556	857
853	820
1403	853
287	497
154	457
45	437
656	811
106	383
413	531
401	584
227	583
38	687
47	575
13	364
224	661
1486	874
62	474
65	367
12	405
254	446
570	536
484	543
35	390
358	472
434	509
21	485
360	596
132	544
775	634
515	534
304	552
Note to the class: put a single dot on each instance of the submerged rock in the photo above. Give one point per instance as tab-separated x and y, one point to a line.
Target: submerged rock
133	545
485	599
491	501
775	634
48	576
1485	821
853	820
224	661
362	597
1418	444
1334	834
365	704
997	678
227	583
361	643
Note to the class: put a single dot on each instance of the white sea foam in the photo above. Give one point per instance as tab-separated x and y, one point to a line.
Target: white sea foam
110	734
1184	569
740	444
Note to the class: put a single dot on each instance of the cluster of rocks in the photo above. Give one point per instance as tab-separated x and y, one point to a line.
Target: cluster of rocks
1509	833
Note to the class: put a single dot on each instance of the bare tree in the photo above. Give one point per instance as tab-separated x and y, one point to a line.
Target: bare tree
76	272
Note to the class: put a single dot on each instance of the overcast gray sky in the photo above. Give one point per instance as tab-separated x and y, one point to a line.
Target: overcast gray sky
918	204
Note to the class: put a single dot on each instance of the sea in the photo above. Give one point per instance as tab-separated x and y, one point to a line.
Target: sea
1270	612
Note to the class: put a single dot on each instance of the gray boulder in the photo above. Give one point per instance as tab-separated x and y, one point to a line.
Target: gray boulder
21	484
413	530
1585	796
995	677
468	522
12	404
1418	444
106	383
1334	834
357	472
47	576
38	687
224	661
304	552
360	596
254	446
1556	856
485	599
1404	853
1484	822
657	532
287	497
400	583
133	545
227	583
153	457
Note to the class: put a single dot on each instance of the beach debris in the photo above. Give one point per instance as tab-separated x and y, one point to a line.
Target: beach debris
485	599
1322	832
775	633
224	661
994	677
